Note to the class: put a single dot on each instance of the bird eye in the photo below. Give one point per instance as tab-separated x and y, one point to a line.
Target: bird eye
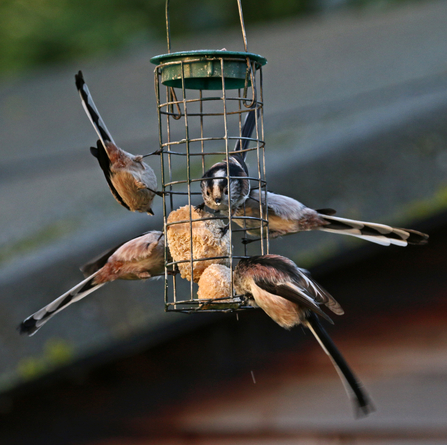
225	191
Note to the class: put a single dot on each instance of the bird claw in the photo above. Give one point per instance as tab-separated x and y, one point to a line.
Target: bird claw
161	194
156	152
246	241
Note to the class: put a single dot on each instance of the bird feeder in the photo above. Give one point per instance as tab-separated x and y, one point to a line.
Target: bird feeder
203	98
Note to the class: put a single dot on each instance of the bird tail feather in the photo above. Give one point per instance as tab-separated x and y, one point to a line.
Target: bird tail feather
363	404
35	321
376	233
92	111
247	130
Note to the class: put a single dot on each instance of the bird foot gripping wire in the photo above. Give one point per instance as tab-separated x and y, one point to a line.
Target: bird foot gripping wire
154	153
161	194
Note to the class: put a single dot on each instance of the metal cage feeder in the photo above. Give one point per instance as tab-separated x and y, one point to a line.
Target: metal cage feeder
203	98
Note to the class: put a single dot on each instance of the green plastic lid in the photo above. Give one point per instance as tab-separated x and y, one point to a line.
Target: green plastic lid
202	69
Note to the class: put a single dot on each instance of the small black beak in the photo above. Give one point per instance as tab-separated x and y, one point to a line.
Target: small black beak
218	201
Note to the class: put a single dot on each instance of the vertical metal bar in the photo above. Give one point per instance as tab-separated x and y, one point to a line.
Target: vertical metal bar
258	155
250	74
168	98
168	26
168	135
240	141
227	158
247	78
160	143
202	145
261	97
241	17
188	180
173	98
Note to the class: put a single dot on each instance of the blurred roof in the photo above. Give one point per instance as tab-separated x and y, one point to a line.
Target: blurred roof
246	380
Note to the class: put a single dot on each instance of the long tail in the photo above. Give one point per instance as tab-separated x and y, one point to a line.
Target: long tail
363	405
247	130
91	110
376	233
34	322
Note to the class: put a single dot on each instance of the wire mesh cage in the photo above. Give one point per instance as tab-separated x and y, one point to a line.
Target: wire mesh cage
203	100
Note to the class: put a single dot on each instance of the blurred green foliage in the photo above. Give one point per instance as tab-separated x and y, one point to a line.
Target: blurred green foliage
39	32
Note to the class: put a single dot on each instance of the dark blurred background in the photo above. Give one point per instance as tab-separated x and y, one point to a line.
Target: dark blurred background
355	117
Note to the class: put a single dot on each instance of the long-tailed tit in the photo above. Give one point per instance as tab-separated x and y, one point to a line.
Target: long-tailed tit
137	259
291	297
215	189
287	216
132	182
